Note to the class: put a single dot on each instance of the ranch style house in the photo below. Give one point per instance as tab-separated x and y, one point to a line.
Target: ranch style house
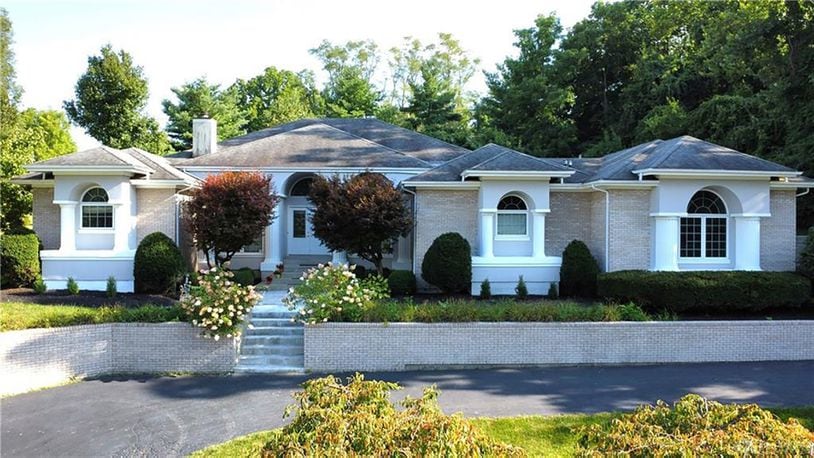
673	205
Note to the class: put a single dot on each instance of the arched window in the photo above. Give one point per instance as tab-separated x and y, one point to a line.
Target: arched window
302	187
703	231
97	213
512	217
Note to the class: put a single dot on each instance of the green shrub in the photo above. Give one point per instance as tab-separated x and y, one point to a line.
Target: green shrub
219	304
708	291
578	271
485	289
158	266
39	286
72	286
360	272
552	291
21	315
111	287
358	419
401	282
695	426
244	276
448	264
19	259
521	290
806	261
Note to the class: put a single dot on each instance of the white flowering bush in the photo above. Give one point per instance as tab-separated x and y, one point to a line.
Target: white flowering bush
332	292
218	304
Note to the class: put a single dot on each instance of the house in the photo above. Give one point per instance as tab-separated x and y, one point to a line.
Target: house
678	204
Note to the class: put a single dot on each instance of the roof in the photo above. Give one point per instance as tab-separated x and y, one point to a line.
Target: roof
309	147
101	156
313	145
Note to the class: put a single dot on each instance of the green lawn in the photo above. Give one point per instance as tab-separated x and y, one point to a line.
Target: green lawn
22	315
551	436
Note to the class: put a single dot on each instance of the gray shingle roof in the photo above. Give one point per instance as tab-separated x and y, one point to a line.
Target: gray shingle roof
310	145
94	157
690	153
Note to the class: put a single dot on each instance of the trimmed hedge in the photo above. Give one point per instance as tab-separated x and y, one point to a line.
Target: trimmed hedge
448	264
19	259
158	266
708	291
244	276
578	271
401	283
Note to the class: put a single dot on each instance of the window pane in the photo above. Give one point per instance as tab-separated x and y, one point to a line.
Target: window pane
97	216
716	238
95	195
254	247
299	224
690	238
511	224
705	202
511	203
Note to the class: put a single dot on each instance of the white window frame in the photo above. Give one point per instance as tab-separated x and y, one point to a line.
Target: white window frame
516	237
242	251
83	204
704	217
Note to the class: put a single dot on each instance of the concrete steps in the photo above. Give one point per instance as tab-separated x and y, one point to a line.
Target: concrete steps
293	268
274	343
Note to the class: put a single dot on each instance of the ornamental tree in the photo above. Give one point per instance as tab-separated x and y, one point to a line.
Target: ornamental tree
228	211
362	214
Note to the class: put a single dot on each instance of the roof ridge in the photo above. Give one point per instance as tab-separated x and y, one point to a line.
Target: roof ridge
163	163
490	159
409	130
125	158
668	154
361	138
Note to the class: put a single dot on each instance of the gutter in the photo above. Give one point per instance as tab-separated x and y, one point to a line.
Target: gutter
803	193
607	224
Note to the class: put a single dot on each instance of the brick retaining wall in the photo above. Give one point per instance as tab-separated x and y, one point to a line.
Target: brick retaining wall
37	358
403	346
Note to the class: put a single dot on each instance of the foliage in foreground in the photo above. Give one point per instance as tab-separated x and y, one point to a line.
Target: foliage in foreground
695	426
358	419
19	259
22	315
158	265
218	304
458	310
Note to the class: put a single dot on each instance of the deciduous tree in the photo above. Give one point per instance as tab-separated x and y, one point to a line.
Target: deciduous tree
276	97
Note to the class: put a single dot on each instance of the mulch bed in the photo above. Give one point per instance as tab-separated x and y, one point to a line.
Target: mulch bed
84	298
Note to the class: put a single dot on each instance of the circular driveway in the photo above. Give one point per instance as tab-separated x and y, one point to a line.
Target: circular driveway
167	416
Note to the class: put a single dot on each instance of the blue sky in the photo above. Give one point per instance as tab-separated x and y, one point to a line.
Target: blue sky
178	41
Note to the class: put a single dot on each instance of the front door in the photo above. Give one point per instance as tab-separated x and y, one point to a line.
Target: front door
301	239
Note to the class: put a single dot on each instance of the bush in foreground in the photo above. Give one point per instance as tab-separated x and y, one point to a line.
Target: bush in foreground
578	271
708	291
401	282
218	304
448	264
19	259
158	266
21	315
358	419
695	426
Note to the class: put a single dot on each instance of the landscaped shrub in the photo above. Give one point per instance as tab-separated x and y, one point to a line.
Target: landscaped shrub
709	291
578	271
448	264
39	286
111	287
22	315
695	426
158	266
485	289
358	419
331	292
244	276
521	290
19	259
552	291
72	286
218	304
402	282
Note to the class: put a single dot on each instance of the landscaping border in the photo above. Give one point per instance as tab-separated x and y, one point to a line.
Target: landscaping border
333	347
38	358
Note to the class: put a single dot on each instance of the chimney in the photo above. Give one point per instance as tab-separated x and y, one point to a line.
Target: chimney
204	136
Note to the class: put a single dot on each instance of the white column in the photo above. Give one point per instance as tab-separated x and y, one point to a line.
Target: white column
339	257
747	242
272	247
666	243
487	225
403	251
67	226
121	228
538	240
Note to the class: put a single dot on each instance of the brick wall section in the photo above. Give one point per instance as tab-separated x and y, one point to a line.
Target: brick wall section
156	212
596	243
405	346
38	358
439	211
778	241
569	219
630	230
46	217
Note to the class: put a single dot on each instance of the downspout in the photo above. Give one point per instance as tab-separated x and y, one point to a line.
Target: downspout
412	235
607	223
803	193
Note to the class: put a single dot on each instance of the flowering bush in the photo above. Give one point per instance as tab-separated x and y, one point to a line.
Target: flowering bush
332	292
218	304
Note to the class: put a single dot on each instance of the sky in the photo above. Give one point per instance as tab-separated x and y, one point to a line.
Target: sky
179	41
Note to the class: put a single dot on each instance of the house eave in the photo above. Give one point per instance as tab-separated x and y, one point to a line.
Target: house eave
442	184
207	168
88	169
156	184
720	174
515	174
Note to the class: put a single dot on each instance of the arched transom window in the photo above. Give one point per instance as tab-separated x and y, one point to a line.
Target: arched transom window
703	231
302	187
97	213
512	217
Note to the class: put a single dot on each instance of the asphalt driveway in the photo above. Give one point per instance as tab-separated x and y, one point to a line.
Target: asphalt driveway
174	416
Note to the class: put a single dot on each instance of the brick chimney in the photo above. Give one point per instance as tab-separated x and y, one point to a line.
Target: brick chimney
204	136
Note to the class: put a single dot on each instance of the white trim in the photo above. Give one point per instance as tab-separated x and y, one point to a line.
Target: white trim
43	183
88	255
791	185
442	184
516	261
715	173
751	215
107	203
88	169
514	174
315	170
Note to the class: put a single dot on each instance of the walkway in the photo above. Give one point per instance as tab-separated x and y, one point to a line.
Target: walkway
174	416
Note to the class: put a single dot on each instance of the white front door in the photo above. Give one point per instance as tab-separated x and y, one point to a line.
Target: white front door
301	239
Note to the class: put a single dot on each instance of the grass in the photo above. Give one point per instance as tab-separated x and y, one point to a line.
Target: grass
464	310
22	315
552	436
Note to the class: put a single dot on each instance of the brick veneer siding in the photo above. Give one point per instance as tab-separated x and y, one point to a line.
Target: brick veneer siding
596	243
156	212
439	211
630	231
569	219
38	358
778	233
46	217
403	346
